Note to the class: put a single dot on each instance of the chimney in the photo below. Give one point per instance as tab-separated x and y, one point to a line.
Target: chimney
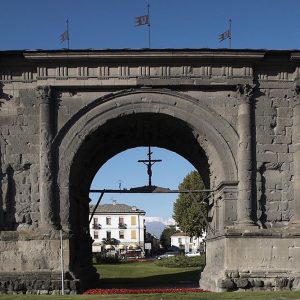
114	202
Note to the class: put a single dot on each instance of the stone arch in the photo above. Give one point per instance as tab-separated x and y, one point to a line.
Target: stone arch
124	120
211	132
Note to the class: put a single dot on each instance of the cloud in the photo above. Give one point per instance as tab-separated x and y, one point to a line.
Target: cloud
169	221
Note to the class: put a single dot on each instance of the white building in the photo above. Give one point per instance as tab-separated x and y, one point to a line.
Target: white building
119	222
186	243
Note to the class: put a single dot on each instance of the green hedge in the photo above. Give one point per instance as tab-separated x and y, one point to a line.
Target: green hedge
100	259
182	261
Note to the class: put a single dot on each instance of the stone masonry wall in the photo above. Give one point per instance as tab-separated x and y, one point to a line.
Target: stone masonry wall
20	163
274	120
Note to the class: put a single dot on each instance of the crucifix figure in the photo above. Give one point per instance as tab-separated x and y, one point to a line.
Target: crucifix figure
149	163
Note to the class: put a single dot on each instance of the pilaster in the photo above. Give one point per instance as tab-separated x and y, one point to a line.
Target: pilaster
46	157
296	156
1	190
244	156
226	193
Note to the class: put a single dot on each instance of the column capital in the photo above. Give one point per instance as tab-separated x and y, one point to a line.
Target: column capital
245	92
44	93
296	94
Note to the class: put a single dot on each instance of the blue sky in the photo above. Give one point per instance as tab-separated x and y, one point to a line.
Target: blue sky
37	24
98	24
124	166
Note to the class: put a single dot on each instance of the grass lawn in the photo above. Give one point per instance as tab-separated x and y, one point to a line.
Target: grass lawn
145	275
190	296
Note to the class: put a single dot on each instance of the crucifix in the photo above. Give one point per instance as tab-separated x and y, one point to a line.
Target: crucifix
149	163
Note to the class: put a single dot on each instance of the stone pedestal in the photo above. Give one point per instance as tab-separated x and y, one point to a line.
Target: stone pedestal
23	252
252	260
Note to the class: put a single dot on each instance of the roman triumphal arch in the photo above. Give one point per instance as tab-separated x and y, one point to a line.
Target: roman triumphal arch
234	114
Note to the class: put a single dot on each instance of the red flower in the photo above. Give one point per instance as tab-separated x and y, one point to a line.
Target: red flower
143	291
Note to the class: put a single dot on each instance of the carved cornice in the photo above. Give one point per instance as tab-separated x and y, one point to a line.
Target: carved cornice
202	54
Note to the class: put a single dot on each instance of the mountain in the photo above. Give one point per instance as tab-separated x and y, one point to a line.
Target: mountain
155	228
156	225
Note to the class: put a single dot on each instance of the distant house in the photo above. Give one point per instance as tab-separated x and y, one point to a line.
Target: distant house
186	243
117	227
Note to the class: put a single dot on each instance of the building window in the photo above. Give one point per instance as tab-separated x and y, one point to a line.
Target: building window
121	234
179	241
133	220
96	225
96	236
108	220
108	235
133	234
122	225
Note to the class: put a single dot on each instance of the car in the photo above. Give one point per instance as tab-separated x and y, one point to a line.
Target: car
192	254
167	254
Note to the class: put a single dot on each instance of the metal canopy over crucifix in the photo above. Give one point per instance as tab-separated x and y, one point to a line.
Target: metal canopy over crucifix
149	163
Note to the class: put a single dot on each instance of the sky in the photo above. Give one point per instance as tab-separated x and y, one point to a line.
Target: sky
102	24
37	24
125	170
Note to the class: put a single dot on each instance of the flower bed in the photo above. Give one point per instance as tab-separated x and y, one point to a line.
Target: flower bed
143	291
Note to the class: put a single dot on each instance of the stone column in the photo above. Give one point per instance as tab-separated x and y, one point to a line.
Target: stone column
244	156
47	207
296	158
1	187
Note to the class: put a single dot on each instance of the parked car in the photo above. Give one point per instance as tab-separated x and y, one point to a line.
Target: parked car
167	254
192	254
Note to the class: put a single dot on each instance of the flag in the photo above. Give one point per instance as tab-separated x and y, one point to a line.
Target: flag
225	35
64	36
142	20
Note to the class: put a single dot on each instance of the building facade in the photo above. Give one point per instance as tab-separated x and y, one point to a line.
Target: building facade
186	243
117	227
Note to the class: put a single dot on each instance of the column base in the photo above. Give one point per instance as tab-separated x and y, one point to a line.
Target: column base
245	224
259	260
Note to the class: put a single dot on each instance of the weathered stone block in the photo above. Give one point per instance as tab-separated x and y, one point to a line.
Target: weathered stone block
226	284
242	283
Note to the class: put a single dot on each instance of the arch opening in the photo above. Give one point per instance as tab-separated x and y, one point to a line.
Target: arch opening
116	238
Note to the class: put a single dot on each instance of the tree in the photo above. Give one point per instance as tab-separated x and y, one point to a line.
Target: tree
165	237
190	213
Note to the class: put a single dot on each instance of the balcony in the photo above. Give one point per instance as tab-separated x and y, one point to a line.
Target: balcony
122	226
96	226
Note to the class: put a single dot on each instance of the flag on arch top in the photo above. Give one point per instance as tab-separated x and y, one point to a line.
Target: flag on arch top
142	20
64	36
225	35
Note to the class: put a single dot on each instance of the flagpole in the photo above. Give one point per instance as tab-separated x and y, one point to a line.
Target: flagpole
149	34
230	33
68	34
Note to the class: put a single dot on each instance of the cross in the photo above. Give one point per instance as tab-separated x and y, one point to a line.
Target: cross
149	163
